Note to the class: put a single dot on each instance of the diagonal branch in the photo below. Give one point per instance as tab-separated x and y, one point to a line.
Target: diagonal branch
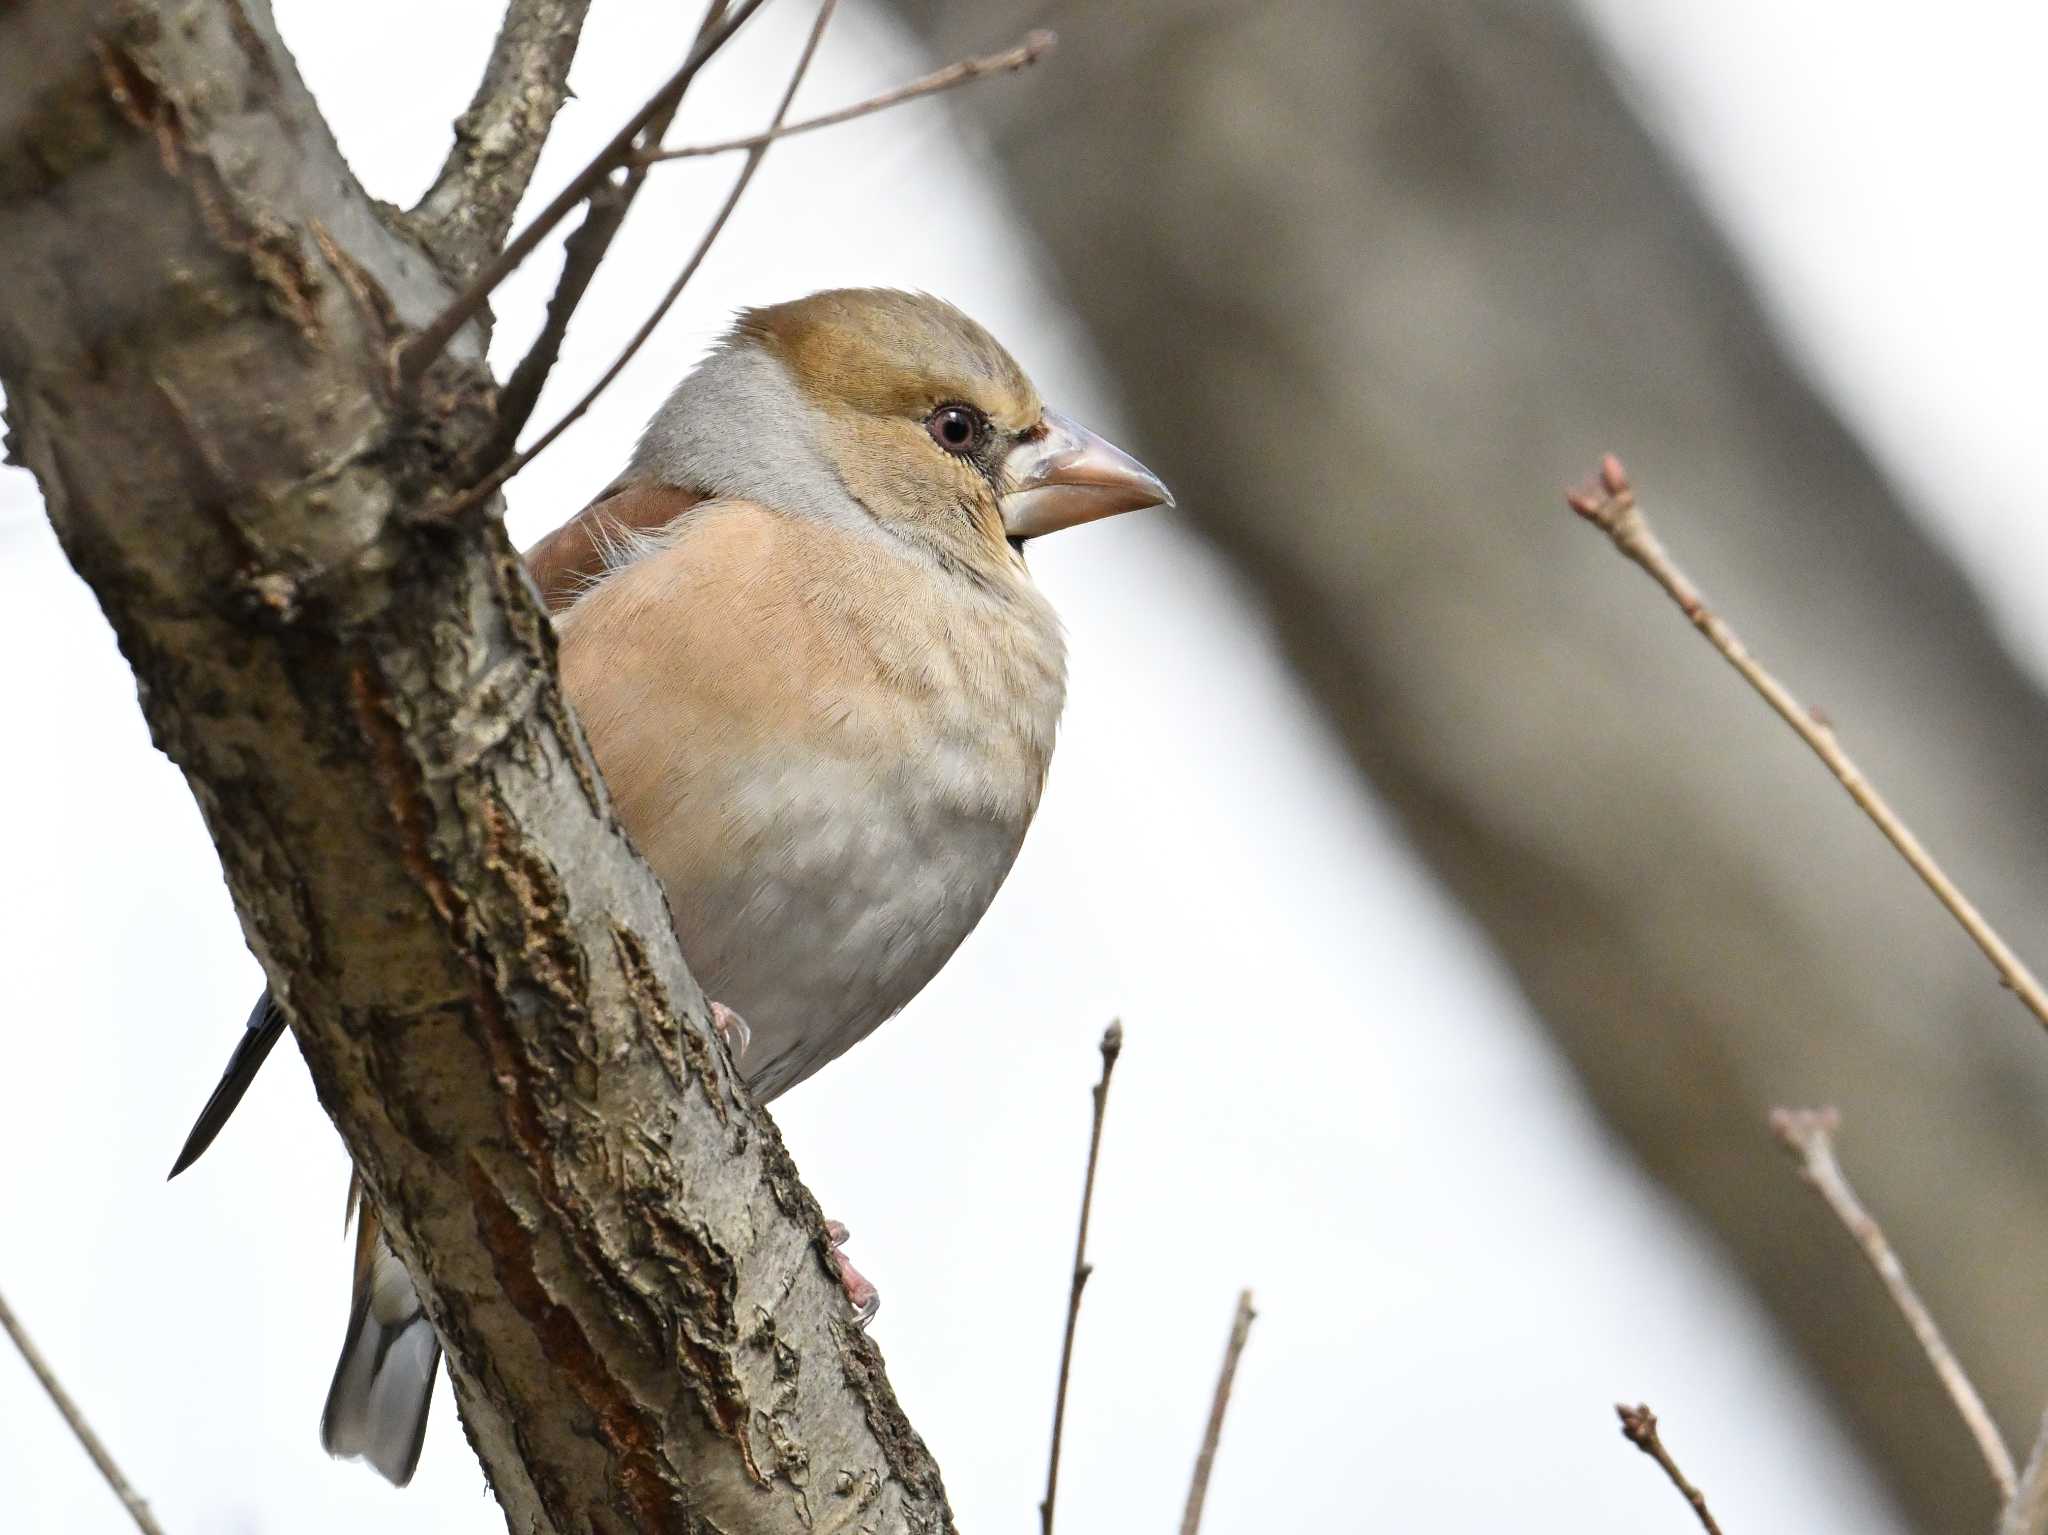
642	1317
1036	45
1809	1136
419	351
138	1510
1212	1435
1609	503
582	254
2026	1511
466	213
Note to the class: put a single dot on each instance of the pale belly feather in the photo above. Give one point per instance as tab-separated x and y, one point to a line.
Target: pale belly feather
830	773
854	888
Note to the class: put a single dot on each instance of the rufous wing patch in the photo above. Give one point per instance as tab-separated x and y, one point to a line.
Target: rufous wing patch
565	562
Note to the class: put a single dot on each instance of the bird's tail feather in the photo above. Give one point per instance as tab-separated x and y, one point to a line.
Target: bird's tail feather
384	1381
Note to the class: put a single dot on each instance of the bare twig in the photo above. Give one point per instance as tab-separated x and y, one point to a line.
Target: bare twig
429	342
2026	1511
468	498
582	254
130	1498
465	214
1036	45
586	248
1198	1488
1112	1046
1639	1428
1609	503
1808	1134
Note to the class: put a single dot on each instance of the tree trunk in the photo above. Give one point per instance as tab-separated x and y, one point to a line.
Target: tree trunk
1377	282
641	1312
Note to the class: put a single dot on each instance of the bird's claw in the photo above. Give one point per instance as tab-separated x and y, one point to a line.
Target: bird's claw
732	1028
867	1300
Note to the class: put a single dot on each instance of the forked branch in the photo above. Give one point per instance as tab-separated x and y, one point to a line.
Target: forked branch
475	493
2026	1511
604	214
430	341
1808	1134
640	1310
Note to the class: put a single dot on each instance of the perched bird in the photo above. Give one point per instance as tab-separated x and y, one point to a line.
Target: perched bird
822	689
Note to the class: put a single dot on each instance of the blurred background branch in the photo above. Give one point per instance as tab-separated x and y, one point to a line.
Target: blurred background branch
1370	277
74	1419
2026	1513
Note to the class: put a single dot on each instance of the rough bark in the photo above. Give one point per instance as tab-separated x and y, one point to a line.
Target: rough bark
1377	281
641	1314
467	212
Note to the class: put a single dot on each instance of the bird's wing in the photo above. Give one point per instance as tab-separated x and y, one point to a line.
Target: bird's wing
265	1024
565	562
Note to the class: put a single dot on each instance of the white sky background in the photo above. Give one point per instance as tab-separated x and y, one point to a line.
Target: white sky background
1442	1240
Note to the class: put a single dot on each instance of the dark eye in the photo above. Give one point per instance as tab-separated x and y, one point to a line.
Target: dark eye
957	428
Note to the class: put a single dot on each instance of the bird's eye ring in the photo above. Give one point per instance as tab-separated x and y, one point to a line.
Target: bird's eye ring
957	428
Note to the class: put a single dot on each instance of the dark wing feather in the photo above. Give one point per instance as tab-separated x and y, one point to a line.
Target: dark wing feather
574	555
265	1024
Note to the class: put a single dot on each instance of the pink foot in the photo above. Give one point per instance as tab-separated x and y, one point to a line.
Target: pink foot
732	1028
867	1300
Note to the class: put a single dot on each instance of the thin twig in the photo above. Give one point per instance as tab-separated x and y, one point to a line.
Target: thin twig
2026	1511
582	254
1036	45
138	1510
1198	1488
1808	1134
428	343
585	249
1112	1046
1609	503
466	213
1639	1428
463	500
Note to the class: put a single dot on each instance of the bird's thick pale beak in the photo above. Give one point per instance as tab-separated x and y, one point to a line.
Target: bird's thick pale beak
1067	475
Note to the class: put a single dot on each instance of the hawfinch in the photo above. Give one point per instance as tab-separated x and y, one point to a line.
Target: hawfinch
822	689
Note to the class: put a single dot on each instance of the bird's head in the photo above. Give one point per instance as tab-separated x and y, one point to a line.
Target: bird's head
901	403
